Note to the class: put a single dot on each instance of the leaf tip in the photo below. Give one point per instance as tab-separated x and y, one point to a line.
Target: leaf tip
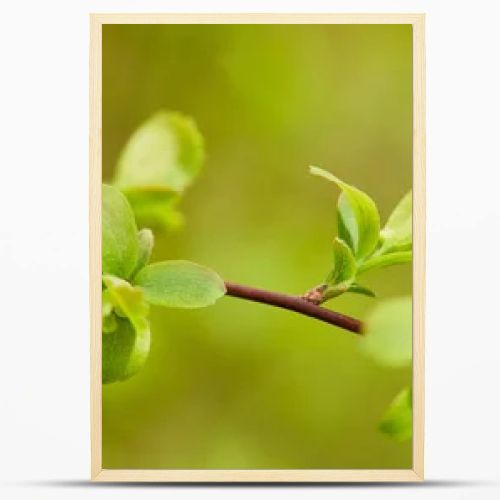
320	172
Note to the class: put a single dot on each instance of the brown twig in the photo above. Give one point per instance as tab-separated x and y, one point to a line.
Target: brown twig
297	304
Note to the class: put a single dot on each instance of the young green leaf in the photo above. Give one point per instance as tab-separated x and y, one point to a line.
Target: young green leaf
344	270
358	216
124	350
387	335
119	234
155	207
165	151
388	259
127	336
179	283
146	243
397	421
346	222
397	233
128	301
109	323
106	304
361	290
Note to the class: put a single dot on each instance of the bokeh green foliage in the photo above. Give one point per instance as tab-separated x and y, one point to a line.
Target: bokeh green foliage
159	161
239	384
397	420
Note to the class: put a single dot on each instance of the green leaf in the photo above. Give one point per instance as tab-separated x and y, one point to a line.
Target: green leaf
344	270
126	345
346	222
155	207
358	216
387	335
165	151
106	304
128	301
385	260
397	421
146	243
109	323
179	283
397	233
119	234
124	351
361	290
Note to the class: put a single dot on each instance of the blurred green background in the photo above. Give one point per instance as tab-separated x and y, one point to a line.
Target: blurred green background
242	385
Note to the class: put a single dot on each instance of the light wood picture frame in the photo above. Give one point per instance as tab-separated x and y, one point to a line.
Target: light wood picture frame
416	473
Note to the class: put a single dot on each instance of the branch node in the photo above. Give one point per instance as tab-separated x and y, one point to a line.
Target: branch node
316	295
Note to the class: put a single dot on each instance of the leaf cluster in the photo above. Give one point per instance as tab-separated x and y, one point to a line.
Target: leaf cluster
130	284
158	163
361	244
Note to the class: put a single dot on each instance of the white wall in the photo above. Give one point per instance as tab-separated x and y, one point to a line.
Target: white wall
44	372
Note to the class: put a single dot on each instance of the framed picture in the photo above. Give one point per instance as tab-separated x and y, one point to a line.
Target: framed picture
257	247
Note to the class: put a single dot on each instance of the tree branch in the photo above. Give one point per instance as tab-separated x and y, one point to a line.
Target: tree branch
297	304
